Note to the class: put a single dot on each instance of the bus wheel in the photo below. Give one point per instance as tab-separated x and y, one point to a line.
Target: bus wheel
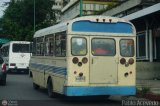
3	82
35	86
30	74
107	96
50	88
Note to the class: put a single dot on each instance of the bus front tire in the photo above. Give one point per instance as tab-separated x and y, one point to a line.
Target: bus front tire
50	88
35	86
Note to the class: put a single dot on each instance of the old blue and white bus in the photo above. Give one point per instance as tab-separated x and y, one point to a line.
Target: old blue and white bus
90	55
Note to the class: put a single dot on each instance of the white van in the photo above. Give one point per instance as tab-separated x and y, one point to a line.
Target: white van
16	55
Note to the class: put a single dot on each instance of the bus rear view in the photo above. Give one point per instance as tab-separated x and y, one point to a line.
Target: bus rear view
102	57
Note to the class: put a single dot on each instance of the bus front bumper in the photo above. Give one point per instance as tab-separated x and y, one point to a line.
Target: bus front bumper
110	90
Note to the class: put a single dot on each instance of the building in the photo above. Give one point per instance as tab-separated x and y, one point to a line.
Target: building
144	14
57	6
75	8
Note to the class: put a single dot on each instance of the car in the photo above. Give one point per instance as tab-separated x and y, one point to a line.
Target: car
3	72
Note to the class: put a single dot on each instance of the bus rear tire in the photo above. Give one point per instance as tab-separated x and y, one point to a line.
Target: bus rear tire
35	86
3	82
30	74
50	88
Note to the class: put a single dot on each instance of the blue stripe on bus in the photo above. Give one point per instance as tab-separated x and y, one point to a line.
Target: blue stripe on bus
88	26
109	90
54	69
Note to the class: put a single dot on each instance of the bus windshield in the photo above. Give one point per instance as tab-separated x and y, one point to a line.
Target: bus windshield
20	48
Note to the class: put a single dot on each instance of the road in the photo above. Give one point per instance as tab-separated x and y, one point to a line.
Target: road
19	91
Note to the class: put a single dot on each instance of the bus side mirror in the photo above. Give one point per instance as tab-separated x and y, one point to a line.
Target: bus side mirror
1	60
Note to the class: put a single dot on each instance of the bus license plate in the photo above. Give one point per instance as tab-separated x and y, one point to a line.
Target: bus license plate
80	78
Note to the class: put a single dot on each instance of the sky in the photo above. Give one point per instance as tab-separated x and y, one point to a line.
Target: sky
2	8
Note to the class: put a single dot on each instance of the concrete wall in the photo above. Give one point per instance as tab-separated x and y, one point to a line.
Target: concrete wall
71	13
148	70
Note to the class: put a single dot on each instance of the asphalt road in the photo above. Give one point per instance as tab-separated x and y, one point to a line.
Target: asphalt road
19	92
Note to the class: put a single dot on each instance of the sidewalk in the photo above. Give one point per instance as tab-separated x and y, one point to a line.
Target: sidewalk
154	87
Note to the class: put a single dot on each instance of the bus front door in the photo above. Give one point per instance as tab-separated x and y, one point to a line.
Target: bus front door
103	63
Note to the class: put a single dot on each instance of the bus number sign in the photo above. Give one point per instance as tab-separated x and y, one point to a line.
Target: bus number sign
80	79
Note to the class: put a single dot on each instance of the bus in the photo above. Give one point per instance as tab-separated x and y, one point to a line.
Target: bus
86	56
16	55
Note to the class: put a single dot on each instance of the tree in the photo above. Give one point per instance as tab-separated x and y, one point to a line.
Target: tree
18	22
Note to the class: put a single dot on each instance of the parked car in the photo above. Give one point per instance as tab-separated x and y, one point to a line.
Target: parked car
3	72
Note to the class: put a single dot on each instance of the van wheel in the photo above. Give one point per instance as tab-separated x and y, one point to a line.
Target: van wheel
50	88
35	86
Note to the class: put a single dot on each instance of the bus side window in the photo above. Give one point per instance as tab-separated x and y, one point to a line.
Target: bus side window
60	44
46	44
39	46
41	49
49	47
34	47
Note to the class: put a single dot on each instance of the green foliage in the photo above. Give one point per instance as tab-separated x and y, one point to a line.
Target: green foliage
143	91
18	20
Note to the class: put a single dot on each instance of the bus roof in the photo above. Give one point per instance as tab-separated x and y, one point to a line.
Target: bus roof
15	42
65	25
50	30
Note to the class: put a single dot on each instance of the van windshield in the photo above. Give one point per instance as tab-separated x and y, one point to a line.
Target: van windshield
20	48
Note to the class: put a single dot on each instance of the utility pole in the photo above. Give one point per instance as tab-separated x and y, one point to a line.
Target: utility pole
34	16
81	8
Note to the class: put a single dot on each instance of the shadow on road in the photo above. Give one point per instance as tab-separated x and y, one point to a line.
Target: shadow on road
82	100
17	73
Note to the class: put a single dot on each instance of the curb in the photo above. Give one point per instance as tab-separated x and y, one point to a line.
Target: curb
152	96
149	95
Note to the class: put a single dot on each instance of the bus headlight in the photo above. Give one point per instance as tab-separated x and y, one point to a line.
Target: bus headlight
123	61
131	61
84	60
75	60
